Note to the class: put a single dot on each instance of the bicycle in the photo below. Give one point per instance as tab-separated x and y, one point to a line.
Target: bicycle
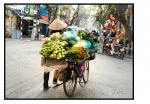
74	72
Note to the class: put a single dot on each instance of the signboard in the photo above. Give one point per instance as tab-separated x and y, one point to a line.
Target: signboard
17	11
35	12
31	11
26	10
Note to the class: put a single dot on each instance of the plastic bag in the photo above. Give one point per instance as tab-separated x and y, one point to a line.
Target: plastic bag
86	43
70	37
95	47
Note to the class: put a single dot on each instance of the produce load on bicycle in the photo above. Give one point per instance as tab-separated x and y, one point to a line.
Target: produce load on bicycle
69	45
94	40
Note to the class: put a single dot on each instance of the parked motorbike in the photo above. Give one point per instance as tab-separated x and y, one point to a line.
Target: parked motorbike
119	49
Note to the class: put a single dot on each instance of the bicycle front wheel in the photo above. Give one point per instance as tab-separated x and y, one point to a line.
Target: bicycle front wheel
86	73
69	82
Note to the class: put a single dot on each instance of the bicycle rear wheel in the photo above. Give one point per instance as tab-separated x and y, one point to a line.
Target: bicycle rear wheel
86	73
69	82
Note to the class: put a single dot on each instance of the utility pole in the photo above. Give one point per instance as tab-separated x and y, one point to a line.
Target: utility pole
34	32
38	22
21	25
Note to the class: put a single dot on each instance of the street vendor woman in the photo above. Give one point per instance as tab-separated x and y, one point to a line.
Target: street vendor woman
56	26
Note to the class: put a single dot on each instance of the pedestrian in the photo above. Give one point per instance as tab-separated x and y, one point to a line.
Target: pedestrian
93	32
97	33
56	26
104	35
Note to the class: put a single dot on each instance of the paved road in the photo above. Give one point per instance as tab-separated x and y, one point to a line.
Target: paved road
109	77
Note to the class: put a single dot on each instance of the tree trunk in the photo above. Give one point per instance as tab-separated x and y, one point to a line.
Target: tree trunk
128	31
56	12
74	16
121	16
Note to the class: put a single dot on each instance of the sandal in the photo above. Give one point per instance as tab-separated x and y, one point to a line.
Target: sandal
46	88
54	81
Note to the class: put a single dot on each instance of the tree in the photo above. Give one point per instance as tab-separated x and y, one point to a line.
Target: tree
98	15
68	13
119	12
65	13
52	9
82	17
75	15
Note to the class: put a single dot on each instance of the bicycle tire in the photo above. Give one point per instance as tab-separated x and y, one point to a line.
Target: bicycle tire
68	80
86	73
122	55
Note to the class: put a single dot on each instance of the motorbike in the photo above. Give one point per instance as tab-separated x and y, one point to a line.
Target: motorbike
119	49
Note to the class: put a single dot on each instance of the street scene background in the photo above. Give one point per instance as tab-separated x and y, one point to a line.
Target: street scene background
26	26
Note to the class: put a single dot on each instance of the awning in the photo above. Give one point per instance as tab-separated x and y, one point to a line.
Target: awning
28	18
32	18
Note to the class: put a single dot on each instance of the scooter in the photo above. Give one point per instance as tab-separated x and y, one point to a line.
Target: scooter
119	49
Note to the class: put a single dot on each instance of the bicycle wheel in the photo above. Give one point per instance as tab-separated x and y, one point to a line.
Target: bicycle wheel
122	55
69	82
86	73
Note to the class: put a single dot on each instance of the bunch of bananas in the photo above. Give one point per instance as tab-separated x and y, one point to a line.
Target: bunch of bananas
78	52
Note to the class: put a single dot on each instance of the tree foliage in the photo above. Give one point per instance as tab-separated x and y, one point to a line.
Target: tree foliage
82	17
118	12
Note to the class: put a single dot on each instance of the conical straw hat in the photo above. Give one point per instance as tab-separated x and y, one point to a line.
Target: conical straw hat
57	24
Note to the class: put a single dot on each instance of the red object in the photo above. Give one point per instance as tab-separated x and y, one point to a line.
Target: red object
81	68
52	15
21	25
130	10
107	25
108	16
44	18
112	27
111	17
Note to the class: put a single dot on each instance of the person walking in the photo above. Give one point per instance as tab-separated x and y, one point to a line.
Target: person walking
56	26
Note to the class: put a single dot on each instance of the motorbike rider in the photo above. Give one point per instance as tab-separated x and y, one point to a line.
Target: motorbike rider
117	40
56	26
105	39
104	35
